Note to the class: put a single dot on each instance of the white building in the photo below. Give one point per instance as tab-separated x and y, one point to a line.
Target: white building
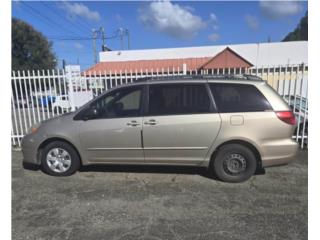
258	54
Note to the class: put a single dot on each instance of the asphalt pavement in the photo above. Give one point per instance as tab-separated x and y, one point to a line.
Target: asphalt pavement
140	202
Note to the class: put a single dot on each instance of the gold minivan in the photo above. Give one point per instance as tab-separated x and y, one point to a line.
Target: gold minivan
233	125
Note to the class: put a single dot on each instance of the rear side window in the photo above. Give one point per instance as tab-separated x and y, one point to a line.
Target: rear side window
232	98
171	99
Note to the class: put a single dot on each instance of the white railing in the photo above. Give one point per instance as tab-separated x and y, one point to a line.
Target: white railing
40	95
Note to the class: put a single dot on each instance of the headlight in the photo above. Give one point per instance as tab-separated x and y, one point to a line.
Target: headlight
34	128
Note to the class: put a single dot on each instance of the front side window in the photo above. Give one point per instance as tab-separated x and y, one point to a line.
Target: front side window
171	99
124	102
231	98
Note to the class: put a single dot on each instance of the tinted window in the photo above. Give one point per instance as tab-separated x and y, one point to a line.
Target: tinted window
238	98
124	102
169	99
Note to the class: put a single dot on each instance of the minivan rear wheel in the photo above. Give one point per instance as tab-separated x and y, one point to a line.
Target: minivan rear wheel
59	159
234	163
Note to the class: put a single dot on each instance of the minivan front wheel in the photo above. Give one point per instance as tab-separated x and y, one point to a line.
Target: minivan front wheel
234	163
59	159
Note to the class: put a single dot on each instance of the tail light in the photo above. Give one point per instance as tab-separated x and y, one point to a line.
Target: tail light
287	117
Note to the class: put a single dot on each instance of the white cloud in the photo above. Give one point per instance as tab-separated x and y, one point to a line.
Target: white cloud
252	22
172	19
214	37
213	17
78	46
280	9
80	10
213	21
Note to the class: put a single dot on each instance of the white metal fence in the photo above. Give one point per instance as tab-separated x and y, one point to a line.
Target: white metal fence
40	95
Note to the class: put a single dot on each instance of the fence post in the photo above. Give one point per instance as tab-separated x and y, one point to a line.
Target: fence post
72	73
184	69
70	90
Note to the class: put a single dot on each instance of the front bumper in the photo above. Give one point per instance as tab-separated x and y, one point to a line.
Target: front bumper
29	149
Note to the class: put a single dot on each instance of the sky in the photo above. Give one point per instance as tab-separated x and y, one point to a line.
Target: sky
161	24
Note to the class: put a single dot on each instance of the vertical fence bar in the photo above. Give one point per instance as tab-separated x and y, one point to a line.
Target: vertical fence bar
105	81
131	79
55	91
290	79
50	91
120	77
95	83
284	81
90	81
300	103
66	91
135	74
31	97
304	119
295	95
111	80
41	95
27	97
100	82
116	78
273	76
125	76
36	95
268	73
17	132
22	101
60	92
45	93
278	83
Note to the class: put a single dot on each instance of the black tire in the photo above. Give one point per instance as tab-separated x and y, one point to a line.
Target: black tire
239	158
74	157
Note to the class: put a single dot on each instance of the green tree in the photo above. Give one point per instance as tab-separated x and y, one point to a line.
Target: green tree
300	32
30	49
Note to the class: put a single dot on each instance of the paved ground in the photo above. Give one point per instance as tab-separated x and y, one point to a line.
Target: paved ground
159	203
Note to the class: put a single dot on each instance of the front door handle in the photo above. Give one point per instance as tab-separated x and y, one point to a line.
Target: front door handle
133	123
151	122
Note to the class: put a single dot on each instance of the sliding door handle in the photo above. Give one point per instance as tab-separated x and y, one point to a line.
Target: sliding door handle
151	122
133	123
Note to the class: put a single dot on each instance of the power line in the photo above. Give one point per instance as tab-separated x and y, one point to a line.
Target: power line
77	38
83	24
46	18
63	17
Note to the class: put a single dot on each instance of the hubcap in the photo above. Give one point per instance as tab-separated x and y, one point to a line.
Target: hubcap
58	160
234	164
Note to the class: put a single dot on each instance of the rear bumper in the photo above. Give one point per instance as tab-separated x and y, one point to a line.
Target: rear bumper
280	153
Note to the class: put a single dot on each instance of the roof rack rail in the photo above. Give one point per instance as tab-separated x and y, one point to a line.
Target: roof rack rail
199	76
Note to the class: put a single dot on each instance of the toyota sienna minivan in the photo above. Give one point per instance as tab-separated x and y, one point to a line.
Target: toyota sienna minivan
232	125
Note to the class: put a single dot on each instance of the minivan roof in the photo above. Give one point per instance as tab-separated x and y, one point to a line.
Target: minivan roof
186	78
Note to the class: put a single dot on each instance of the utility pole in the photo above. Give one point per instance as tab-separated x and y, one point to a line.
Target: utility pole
128	36
94	39
103	39
121	32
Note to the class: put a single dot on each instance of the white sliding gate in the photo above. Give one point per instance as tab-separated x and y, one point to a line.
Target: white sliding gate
40	95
